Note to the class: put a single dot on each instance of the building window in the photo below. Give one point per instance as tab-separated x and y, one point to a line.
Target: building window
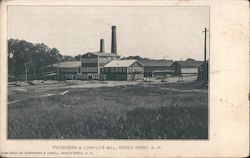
112	69
124	69
120	69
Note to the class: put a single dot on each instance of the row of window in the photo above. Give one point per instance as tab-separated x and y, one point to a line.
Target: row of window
89	69
135	77
135	69
89	64
114	69
69	76
104	60
95	69
123	69
69	69
89	60
95	76
95	60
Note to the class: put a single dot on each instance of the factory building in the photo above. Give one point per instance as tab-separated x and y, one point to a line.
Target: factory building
68	70
122	70
92	62
157	68
187	67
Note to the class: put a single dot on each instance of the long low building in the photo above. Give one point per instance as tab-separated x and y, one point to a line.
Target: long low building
155	68
122	70
68	70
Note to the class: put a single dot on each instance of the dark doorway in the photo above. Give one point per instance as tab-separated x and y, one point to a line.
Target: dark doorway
90	78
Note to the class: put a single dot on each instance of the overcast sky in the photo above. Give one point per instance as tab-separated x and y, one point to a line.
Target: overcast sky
153	32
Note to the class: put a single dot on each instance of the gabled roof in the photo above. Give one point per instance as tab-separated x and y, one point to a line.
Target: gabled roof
189	63
103	54
156	63
121	63
68	64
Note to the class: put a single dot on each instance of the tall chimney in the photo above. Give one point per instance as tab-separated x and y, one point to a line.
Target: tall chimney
102	47
113	40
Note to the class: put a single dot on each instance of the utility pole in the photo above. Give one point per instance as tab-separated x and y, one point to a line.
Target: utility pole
205	67
26	72
205	45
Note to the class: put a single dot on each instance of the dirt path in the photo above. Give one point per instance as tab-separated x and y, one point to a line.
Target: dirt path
21	100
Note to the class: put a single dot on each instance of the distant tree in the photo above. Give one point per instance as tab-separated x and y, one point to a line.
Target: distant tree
68	58
77	57
36	57
135	57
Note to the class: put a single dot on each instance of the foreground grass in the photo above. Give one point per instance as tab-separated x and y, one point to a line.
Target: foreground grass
130	112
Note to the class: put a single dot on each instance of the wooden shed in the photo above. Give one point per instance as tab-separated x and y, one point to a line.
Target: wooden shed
187	67
203	72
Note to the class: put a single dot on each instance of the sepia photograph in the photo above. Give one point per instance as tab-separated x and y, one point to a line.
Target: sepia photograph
124	78
77	72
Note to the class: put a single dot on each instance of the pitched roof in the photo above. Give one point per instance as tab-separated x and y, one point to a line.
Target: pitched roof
189	63
103	54
156	63
67	64
121	63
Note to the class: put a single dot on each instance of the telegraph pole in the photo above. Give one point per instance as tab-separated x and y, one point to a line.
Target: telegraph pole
205	45
205	67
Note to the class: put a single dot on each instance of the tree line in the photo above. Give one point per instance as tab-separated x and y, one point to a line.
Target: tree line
36	58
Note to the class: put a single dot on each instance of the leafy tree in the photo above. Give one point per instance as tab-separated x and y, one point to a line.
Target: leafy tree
35	56
77	57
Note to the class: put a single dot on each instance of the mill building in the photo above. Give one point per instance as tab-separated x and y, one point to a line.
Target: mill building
92	62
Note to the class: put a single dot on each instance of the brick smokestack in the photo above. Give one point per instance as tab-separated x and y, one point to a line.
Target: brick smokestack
102	47
113	40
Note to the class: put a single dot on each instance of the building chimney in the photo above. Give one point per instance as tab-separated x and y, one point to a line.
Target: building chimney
113	40
102	47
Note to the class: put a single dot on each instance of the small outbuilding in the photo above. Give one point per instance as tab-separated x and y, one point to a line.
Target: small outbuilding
187	67
122	70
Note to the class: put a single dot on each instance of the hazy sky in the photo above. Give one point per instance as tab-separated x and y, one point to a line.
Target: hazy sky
154	32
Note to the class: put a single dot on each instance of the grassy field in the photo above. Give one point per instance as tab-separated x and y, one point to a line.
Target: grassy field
137	111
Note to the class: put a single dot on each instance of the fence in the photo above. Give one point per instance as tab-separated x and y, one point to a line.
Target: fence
36	76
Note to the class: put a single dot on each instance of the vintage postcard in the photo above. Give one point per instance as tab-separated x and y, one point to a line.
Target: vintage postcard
124	78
